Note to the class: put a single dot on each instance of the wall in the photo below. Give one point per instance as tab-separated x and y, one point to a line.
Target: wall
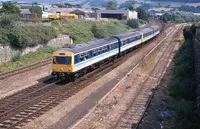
132	15
6	52
197	63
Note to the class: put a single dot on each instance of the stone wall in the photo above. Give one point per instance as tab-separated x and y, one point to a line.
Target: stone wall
197	63
6	52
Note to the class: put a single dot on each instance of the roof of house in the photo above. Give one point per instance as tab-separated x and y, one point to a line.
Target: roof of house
69	10
25	11
114	11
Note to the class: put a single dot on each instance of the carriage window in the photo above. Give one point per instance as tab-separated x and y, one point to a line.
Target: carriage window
77	59
108	48
112	46
115	45
99	51
62	60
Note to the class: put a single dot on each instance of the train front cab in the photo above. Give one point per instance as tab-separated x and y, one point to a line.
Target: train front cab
62	64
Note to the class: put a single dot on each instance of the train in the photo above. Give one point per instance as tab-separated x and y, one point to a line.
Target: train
71	62
63	16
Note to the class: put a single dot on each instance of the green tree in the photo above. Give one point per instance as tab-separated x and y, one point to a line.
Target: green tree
37	10
95	9
142	14
9	8
111	6
130	8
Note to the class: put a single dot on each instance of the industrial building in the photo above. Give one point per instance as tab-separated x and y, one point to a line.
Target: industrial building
117	14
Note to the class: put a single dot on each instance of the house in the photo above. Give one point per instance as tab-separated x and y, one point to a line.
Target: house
83	13
117	14
25	13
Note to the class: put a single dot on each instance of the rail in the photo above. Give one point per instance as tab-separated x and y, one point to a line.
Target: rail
24	69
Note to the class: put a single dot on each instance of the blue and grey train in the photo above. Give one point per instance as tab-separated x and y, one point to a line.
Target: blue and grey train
70	61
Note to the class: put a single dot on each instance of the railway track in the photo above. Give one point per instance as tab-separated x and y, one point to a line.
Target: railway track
24	69
132	116
26	105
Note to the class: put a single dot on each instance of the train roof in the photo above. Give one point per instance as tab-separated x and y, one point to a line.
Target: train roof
102	42
128	35
150	28
90	45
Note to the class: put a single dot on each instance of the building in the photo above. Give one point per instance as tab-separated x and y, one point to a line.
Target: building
117	14
82	13
25	13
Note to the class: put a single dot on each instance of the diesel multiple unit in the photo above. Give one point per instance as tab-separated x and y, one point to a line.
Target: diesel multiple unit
70	61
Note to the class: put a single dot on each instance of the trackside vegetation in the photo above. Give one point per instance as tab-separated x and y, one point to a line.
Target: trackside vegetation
84	31
33	57
19	35
183	86
179	17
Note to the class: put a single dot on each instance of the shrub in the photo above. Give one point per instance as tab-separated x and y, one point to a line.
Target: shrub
133	23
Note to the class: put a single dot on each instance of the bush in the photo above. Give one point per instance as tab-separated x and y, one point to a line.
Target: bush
133	23
16	57
183	84
186	117
19	35
23	36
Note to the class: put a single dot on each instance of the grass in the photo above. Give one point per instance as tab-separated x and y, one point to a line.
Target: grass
84	31
20	61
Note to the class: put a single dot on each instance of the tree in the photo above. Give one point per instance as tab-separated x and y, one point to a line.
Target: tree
130	8
35	3
9	8
37	10
95	9
111	6
142	14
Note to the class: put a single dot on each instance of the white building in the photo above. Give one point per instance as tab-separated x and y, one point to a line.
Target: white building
117	14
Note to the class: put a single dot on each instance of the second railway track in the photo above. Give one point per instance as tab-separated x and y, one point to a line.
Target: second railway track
132	116
24	69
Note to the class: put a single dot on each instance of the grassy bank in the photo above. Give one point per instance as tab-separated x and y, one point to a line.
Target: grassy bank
182	88
84	31
17	34
20	61
79	30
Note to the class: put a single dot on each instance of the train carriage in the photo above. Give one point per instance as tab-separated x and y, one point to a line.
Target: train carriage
69	61
83	55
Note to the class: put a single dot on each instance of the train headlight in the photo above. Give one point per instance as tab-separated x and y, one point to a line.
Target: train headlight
61	70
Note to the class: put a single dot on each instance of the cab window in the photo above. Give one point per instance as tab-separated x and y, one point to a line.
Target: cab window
61	60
